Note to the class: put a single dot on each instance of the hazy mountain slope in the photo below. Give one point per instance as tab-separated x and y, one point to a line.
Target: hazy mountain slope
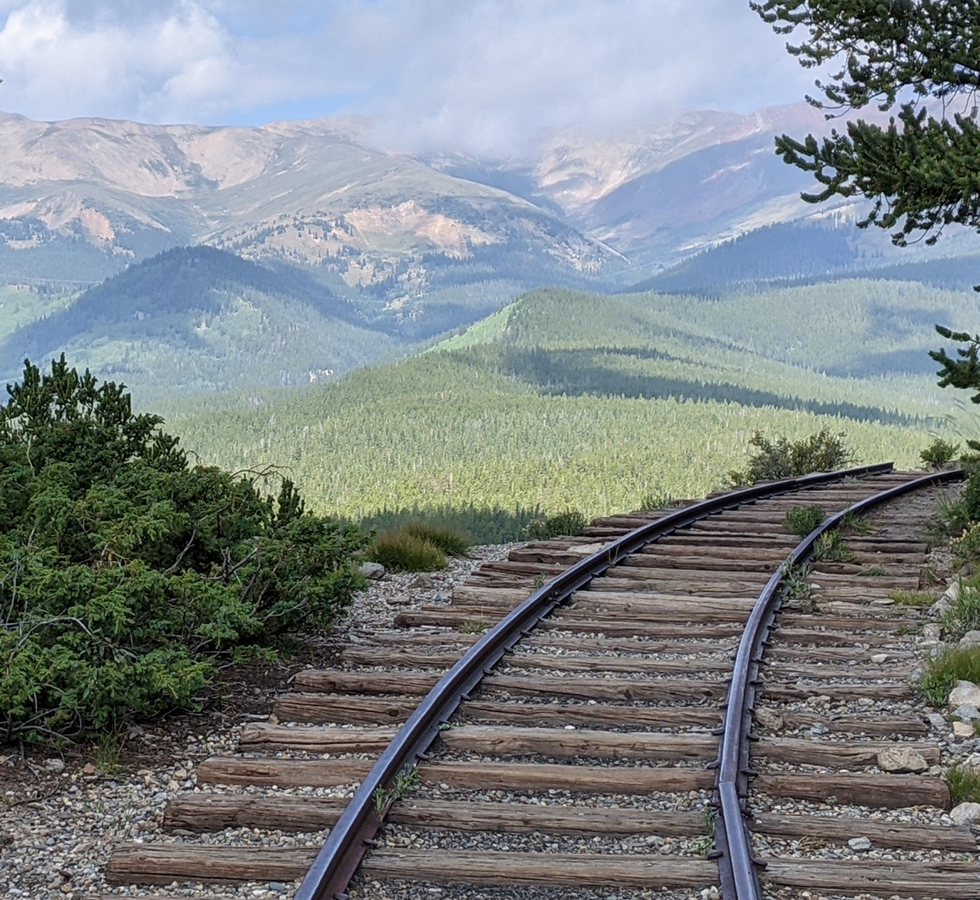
819	249
200	319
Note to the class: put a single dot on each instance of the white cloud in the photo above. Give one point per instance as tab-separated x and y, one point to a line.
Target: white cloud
170	62
480	74
493	70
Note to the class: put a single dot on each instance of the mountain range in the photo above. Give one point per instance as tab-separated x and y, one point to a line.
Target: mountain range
314	228
319	194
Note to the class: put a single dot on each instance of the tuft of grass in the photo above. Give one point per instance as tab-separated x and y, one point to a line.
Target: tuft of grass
940	453
963	614
913	598
405	782
955	517
873	572
950	518
564	524
655	500
473	627
399	549
831	547
852	524
797	586
942	673
964	784
966	547
109	751
802	520
449	540
703	845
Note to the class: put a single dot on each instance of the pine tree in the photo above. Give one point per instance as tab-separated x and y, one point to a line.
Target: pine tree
922	170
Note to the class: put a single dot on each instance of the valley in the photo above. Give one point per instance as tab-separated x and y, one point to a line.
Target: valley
570	400
606	321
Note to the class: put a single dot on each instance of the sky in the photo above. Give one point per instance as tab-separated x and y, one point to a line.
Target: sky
467	75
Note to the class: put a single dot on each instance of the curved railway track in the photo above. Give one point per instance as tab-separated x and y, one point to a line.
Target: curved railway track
637	723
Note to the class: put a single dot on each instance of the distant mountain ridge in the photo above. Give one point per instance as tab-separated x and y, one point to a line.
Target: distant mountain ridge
241	257
581	208
312	194
197	320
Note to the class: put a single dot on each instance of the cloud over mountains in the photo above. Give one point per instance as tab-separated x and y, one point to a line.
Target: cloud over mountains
480	76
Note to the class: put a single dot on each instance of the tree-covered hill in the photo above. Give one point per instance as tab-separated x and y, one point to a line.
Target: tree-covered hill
569	399
197	319
811	251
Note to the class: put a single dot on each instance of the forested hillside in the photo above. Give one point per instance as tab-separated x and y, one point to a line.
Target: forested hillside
816	250
194	320
574	399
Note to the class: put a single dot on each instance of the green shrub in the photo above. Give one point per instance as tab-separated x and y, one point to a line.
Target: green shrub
802	520
401	550
963	612
565	524
831	547
449	540
782	458
939	453
964	784
125	574
942	673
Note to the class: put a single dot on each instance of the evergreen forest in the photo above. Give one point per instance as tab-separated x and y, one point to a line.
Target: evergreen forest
566	399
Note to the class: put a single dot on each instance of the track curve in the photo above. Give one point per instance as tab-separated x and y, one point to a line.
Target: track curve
633	673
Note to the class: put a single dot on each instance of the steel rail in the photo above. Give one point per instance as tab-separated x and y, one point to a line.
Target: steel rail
738	869
336	863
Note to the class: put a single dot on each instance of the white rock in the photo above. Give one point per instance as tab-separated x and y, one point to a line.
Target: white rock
372	570
966	712
966	693
966	814
936	721
970	639
963	730
860	844
952	593
901	759
879	658
941	607
932	631
586	549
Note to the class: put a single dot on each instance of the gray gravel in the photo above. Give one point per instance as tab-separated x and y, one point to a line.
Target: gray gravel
56	832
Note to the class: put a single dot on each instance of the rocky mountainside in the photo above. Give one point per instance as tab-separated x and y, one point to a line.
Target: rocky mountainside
81	199
372	250
309	193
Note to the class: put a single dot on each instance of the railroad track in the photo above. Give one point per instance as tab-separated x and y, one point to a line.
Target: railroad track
612	747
